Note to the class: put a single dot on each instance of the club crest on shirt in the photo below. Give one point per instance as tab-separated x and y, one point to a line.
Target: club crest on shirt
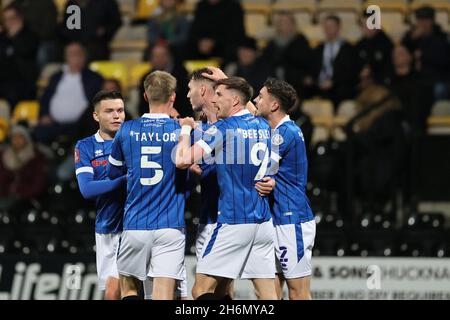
277	139
98	152
211	130
77	155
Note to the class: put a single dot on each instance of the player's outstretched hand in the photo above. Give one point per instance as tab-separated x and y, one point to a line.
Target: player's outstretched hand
265	186
188	121
215	75
195	168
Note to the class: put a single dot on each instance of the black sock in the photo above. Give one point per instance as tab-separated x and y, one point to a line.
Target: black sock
208	296
131	298
227	298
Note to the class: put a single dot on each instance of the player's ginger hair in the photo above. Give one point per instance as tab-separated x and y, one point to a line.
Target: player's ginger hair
159	87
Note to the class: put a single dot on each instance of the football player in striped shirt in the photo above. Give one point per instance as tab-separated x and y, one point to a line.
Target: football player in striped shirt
91	158
293	218
153	240
242	242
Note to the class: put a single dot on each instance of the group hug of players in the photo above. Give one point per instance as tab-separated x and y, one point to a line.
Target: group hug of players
256	222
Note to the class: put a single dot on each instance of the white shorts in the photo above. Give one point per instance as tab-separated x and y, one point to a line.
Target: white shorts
152	253
239	250
106	257
180	289
294	244
203	232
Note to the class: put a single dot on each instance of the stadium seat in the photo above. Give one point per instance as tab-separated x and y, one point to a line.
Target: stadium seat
47	72
256	24
321	113
26	111
4	129
345	111
347	108
439	121
5	109
112	69
5	114
192	65
441	108
393	23
144	9
131	32
318	107
313	33
389	5
137	72
60	7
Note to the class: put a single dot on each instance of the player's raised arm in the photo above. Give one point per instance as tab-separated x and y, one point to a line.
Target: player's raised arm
186	154
217	74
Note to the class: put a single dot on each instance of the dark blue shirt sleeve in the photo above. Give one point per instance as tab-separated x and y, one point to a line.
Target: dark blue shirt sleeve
90	188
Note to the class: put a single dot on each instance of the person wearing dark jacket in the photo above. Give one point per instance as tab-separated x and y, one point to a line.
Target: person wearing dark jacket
374	50
249	65
45	28
430	47
66	98
289	53
161	59
335	72
216	29
415	94
100	20
22	170
18	50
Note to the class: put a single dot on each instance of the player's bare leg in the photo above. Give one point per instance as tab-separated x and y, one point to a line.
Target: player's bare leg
128	286
265	289
112	290
209	284
299	288
163	288
279	282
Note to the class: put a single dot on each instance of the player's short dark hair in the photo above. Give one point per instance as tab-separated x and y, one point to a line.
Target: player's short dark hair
198	76
105	95
240	85
334	18
282	91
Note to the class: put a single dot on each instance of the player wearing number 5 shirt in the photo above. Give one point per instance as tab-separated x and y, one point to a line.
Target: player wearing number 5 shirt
153	240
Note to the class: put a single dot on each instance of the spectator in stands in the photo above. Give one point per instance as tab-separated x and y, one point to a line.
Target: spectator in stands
378	147
166	23
374	50
335	71
22	170
430	47
42	18
249	66
216	30
66	98
161	59
289	53
100	20
18	50
408	85
112	84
